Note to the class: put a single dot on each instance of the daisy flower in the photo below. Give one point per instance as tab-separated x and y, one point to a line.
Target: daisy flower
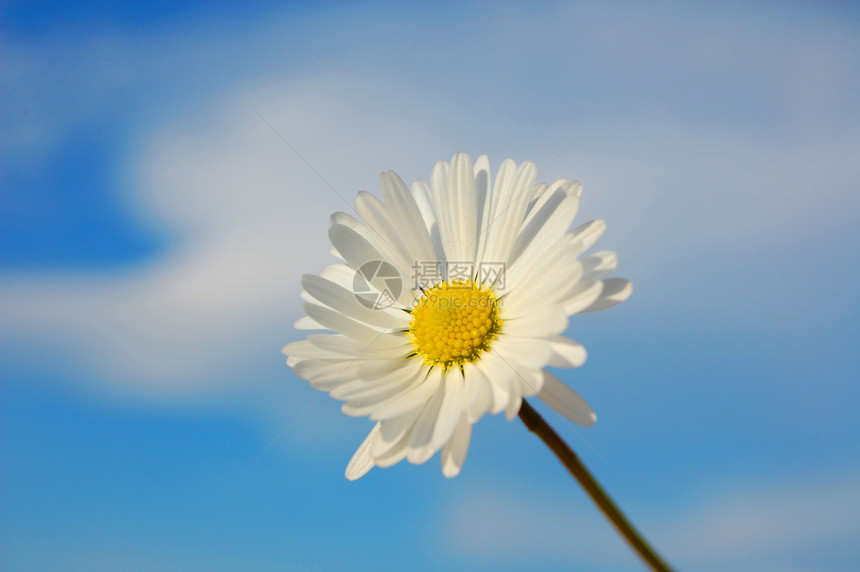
450	302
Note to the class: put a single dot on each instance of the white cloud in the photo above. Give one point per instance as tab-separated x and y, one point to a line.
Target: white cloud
247	216
498	524
768	523
784	524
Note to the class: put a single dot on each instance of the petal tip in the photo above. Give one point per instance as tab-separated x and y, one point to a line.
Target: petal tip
450	471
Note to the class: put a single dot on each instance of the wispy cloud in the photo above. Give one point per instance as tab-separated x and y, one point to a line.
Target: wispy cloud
764	524
247	217
784	524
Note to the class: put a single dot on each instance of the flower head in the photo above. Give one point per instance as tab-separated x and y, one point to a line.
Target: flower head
450	302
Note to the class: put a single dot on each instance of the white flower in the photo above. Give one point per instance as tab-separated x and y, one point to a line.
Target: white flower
451	302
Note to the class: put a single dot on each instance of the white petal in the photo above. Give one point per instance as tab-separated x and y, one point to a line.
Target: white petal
501	185
361	461
404	211
582	296
510	201
337	322
392	402
344	369
445	210
416	396
306	349
566	401
541	289
324	373
536	194
558	265
479	394
526	381
500	378
347	220
452	408
531	352
544	321
366	394
513	406
615	291
308	323
395	454
454	453
587	234
393	431
392	382
421	192
377	368
383	346
550	222
421	445
342	300
461	227
510	378
521	379
566	352
599	265
340	274
352	246
483	197
438	191
374	215
369	393
372	236
571	188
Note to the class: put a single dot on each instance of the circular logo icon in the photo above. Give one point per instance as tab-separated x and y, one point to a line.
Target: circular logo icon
377	284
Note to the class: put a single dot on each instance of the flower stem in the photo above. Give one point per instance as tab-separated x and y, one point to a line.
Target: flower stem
536	424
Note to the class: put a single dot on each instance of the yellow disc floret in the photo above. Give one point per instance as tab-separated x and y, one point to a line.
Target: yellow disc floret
454	323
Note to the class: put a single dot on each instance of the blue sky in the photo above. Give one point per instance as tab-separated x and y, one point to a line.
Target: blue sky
167	174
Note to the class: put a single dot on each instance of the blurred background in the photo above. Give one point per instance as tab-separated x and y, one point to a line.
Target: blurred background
167	174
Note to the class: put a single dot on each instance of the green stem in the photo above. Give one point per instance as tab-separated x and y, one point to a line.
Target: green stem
536	424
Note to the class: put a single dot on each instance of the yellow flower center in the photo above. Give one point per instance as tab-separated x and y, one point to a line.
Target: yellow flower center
454	323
